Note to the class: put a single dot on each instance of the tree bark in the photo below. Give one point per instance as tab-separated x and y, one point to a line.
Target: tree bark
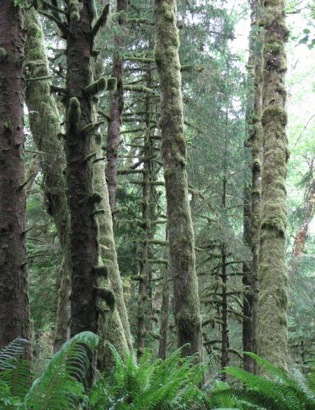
116	107
83	234
14	302
252	195
180	229
272	272
45	126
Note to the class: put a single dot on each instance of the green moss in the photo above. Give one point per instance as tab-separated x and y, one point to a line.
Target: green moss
111	84
74	112
168	12
3	54
96	87
74	10
274	113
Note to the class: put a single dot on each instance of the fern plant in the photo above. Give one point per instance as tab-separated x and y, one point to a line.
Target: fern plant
149	385
14	373
61	386
278	390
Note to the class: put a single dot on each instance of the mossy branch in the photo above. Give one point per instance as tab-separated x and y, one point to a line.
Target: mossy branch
101	21
62	26
96	87
138	88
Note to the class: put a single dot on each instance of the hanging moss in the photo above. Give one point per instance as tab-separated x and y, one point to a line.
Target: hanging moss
73	113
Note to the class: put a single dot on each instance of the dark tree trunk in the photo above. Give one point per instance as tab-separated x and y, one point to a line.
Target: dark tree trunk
180	229
14	303
83	231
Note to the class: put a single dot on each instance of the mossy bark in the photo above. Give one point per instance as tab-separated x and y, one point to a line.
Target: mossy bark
252	191
14	302
45	126
180	229
116	107
272	271
302	233
114	323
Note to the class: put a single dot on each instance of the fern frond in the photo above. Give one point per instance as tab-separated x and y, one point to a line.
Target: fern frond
279	391
150	385
14	370
61	384
12	352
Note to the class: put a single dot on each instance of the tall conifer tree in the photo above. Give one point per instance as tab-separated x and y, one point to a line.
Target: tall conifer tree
272	271
14	303
180	229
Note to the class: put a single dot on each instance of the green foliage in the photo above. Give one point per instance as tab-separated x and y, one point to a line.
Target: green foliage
14	373
61	385
23	4
147	385
276	390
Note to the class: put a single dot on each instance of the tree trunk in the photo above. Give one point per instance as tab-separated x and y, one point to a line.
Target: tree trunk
45	127
116	107
180	229
272	272
83	234
309	208
14	302
253	193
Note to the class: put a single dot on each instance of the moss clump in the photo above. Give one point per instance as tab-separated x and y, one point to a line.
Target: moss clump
168	12
74	10
274	113
111	84
96	87
74	112
3	54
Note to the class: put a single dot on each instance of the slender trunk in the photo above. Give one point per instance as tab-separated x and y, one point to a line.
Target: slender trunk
224	299
309	208
45	127
14	302
116	107
272	272
113	324
165	308
252	195
181	235
148	212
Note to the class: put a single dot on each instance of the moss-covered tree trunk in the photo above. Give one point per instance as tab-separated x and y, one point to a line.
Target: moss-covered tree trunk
180	229
272	271
45	127
114	324
253	189
116	107
14	303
